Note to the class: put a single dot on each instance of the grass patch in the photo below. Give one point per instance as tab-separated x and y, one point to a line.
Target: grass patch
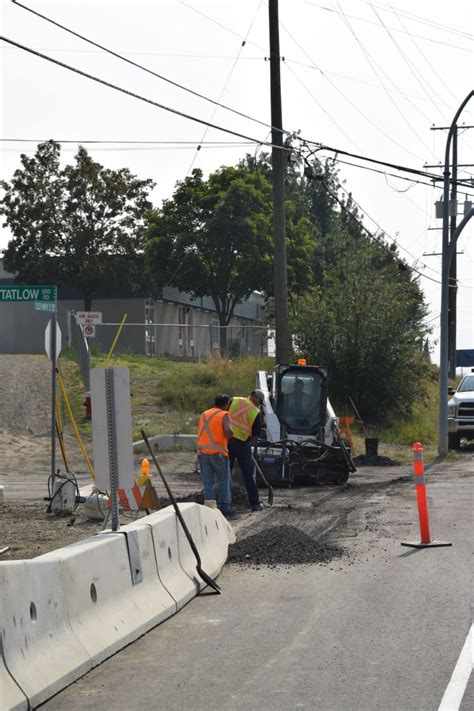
168	396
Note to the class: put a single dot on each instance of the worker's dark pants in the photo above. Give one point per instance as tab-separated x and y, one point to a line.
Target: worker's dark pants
242	451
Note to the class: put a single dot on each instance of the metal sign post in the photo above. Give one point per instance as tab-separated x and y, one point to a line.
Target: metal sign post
52	346
112	444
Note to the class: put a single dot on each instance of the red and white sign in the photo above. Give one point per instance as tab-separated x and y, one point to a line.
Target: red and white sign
84	318
89	330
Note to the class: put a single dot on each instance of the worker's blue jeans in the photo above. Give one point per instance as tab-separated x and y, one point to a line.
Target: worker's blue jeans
214	466
242	451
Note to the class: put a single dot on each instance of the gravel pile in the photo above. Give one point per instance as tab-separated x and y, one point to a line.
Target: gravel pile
281	545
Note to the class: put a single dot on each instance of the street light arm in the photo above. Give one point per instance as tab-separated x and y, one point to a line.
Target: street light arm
455	235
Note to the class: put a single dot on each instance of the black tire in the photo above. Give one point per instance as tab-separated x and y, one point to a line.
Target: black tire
454	441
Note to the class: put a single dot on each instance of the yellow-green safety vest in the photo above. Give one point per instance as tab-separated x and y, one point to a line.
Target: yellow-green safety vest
243	414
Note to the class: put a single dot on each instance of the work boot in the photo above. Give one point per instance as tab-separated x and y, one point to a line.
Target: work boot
229	514
257	507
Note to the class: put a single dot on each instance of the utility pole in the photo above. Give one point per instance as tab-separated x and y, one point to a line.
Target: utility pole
448	247
280	278
453	289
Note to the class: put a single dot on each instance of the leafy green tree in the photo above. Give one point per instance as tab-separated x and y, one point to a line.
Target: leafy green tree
81	225
214	238
365	323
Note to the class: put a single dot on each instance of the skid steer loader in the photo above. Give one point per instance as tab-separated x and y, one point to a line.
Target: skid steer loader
301	439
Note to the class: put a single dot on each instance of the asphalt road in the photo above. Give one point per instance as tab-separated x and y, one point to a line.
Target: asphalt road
379	629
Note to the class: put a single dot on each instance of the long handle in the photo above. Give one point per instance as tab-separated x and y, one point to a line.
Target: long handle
187	533
270	489
358	416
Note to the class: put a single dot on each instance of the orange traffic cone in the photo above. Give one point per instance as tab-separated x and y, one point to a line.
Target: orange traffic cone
419	476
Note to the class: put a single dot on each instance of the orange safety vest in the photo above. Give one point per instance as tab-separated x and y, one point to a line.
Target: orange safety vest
243	414
211	436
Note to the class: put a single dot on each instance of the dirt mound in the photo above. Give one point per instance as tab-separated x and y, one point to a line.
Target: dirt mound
25	394
281	545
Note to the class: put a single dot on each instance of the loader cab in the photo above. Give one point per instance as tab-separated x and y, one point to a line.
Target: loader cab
300	398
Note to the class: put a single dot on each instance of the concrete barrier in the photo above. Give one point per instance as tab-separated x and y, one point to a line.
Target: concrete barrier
216	534
40	650
181	584
167	443
67	611
202	523
11	696
112	597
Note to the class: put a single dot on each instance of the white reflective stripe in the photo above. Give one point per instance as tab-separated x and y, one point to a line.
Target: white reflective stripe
417	456
419	479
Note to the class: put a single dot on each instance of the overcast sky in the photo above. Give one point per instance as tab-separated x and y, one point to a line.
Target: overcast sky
366	77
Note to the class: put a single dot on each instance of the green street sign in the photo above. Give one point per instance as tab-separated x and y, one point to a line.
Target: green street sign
46	294
45	306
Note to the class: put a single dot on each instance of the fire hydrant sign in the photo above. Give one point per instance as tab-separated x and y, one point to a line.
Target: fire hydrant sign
88	321
85	318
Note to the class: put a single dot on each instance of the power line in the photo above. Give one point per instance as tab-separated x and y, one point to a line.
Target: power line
369	233
371	22
403	56
141	141
349	101
384	232
226	83
133	94
431	65
414	171
424	21
321	107
373	65
140	66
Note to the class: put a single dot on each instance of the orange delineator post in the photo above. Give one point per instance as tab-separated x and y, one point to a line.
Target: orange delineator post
419	470
419	475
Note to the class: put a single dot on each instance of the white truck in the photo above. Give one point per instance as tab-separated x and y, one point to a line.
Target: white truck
461	412
301	438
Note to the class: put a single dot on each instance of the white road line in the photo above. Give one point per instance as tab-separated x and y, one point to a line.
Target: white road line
452	698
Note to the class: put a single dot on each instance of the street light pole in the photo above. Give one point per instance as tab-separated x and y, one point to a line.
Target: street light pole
447	251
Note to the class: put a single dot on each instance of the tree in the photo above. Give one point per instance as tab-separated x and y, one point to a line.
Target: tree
365	323
81	225
213	238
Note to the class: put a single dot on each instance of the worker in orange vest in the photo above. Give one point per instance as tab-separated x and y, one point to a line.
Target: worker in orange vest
214	432
246	420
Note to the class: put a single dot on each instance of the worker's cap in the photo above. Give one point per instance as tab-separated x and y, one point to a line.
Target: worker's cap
258	393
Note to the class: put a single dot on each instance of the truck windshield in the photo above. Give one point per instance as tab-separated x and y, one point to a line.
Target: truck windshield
466	384
299	400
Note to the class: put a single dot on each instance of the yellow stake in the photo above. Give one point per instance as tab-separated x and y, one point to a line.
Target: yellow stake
114	342
73	423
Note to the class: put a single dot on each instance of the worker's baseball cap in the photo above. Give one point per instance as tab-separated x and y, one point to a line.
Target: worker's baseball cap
258	393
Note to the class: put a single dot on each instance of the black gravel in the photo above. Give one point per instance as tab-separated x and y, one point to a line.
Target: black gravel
281	545
372	460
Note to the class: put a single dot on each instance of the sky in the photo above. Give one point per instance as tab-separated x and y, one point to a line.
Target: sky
370	78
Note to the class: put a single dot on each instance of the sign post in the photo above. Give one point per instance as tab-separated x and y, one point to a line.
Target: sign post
52	346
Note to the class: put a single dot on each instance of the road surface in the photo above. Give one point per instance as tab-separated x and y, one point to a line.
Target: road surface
379	627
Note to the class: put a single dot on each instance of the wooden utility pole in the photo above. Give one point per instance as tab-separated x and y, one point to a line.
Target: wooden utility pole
280	287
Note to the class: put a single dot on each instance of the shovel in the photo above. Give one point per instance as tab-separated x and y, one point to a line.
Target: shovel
202	574
270	490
